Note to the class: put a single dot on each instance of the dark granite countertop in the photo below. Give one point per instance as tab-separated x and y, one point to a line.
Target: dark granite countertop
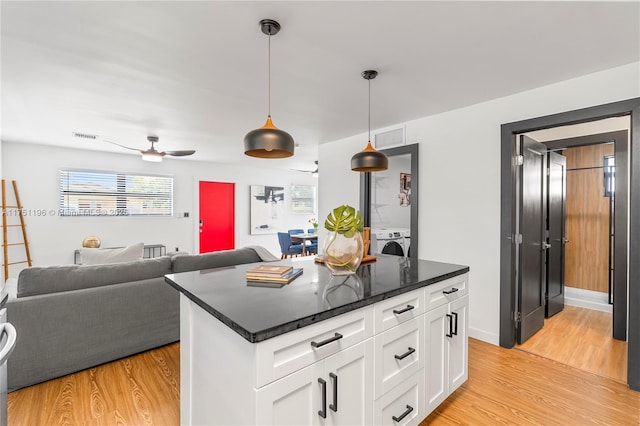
259	313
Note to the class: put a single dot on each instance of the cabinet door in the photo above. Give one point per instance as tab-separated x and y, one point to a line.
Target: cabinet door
458	344
292	400
349	377
437	357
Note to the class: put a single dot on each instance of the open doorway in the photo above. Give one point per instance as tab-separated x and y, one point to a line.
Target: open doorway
509	234
586	209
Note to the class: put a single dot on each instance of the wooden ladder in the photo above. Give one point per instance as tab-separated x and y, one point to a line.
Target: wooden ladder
5	243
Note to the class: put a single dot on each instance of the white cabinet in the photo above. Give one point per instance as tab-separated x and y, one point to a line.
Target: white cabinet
392	363
334	391
446	351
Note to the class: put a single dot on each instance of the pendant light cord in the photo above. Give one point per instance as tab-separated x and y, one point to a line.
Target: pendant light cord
369	110
269	74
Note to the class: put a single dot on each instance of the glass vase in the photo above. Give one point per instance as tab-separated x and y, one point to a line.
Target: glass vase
341	254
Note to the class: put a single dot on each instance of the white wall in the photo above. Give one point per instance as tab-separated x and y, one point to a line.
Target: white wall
386	211
53	239
460	177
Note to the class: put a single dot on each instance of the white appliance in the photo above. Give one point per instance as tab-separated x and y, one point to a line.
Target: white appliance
7	343
389	237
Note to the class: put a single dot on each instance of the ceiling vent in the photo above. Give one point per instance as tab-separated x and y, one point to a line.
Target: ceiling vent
84	135
387	139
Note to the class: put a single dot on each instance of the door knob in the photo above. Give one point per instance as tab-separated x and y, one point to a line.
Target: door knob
546	246
564	240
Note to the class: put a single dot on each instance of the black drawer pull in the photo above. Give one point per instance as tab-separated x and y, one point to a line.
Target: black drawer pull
453	290
406	354
402	311
323	412
334	406
403	415
337	336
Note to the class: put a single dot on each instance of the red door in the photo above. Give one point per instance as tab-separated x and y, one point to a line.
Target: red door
217	228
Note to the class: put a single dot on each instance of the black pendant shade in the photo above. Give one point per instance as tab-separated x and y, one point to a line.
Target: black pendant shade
268	141
369	159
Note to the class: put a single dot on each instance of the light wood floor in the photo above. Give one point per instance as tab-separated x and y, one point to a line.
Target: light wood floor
505	387
581	338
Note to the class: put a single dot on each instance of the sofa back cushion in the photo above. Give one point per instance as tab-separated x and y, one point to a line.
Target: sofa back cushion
214	260
98	256
54	279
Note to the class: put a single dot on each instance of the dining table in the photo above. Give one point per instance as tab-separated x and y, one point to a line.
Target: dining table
303	238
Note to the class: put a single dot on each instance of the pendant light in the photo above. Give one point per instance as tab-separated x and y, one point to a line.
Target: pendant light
369	159
268	141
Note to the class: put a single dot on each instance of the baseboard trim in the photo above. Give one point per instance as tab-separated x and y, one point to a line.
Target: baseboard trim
587	299
485	336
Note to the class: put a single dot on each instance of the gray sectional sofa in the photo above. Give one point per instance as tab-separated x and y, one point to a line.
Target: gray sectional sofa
69	318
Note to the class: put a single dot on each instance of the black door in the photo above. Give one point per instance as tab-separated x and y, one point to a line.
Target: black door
532	221
556	190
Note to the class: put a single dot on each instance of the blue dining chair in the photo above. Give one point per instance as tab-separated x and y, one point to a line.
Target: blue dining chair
296	231
288	249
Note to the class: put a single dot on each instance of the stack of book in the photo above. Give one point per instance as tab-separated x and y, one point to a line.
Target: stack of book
277	275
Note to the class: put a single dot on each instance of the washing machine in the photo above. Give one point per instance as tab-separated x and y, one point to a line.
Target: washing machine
390	241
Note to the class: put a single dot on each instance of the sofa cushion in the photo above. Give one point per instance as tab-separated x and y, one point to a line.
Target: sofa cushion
95	256
214	260
53	279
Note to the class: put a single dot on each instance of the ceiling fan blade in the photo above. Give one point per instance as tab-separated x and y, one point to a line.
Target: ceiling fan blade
180	153
122	146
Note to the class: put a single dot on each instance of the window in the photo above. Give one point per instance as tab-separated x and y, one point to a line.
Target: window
609	175
92	193
303	199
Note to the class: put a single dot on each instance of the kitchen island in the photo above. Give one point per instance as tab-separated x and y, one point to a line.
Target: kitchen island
383	346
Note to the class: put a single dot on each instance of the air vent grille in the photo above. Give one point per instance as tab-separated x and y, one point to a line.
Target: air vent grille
393	137
84	135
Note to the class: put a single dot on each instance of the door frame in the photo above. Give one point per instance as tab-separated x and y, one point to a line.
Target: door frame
621	138
508	131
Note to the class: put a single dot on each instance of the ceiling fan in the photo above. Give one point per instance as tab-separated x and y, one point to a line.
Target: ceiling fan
152	154
313	172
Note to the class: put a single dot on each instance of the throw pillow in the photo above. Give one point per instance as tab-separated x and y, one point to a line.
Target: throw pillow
95	256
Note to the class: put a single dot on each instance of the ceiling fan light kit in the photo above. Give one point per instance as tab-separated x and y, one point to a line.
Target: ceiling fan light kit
152	154
369	159
268	141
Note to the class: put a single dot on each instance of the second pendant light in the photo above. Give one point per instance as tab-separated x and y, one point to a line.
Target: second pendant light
369	159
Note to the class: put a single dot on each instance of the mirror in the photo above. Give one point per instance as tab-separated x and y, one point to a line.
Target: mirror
389	203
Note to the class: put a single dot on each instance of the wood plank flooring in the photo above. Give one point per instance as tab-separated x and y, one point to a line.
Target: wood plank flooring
581	338
505	387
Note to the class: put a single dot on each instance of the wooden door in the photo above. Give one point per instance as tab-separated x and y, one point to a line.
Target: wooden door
217	211
532	218
556	186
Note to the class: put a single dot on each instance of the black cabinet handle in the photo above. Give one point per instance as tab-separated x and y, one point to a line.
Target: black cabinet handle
323	412
403	415
450	334
406	354
453	290
402	311
337	336
334	406
455	328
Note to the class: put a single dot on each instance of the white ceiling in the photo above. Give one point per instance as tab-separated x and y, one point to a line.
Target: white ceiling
195	73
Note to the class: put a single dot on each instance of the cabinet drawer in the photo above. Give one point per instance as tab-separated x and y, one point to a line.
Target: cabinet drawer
401	308
445	291
398	354
403	400
284	354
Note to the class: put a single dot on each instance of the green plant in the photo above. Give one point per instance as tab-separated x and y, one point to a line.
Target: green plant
344	220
